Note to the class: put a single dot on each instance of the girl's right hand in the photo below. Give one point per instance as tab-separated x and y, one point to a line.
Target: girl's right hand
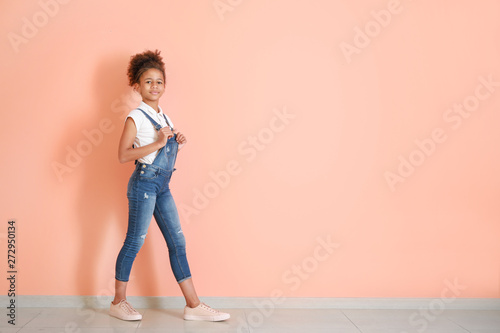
164	134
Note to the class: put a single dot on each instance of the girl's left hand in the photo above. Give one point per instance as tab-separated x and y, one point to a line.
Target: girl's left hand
180	138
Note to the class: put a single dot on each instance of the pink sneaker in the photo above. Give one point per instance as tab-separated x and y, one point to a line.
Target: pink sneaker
204	312
124	311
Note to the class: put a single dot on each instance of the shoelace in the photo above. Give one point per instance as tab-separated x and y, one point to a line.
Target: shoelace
206	307
127	307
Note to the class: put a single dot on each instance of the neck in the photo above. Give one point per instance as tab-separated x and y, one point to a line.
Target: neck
153	104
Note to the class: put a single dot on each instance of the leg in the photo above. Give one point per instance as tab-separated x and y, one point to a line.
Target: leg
168	221
120	291
141	207
187	288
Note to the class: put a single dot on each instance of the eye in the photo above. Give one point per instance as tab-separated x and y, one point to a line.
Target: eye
160	82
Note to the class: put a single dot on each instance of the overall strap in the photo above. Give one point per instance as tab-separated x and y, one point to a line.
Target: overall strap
155	124
168	123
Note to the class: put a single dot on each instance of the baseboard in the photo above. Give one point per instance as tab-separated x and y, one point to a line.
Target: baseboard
256	302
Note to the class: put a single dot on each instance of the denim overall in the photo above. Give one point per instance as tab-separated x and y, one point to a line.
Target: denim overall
149	195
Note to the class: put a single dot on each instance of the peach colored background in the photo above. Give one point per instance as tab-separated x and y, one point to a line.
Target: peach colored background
323	174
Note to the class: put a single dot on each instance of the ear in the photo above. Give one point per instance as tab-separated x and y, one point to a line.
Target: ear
136	87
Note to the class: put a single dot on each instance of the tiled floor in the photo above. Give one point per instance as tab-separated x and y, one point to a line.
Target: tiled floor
76	320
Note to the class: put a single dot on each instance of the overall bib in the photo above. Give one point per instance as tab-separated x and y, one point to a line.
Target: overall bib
149	195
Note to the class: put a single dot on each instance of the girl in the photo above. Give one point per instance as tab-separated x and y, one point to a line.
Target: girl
150	139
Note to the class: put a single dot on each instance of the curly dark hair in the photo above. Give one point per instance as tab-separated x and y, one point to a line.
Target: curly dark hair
141	62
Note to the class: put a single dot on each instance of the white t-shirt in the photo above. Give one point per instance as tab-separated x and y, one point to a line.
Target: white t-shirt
146	133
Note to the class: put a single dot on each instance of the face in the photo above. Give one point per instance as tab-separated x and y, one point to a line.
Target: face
151	85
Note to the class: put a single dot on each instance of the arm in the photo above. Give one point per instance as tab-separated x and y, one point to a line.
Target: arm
125	151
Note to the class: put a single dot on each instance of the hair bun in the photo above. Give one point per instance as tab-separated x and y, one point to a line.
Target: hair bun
141	62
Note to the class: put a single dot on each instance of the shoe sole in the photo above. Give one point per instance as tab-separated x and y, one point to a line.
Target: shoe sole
114	316
208	318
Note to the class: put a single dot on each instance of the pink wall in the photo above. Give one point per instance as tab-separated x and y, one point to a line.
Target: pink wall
371	155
